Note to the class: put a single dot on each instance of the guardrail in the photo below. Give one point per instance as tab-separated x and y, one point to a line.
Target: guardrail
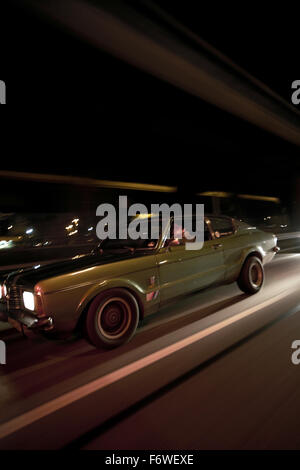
286	236
288	241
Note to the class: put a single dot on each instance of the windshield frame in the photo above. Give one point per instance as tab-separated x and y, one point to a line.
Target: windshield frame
160	241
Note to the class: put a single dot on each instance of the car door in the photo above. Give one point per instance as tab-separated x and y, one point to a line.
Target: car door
183	271
225	232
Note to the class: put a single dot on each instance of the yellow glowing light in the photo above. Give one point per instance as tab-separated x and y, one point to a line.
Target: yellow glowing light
145	216
259	198
73	233
50	178
215	194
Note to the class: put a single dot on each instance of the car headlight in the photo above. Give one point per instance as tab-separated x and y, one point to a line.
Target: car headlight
4	290
28	299
0	291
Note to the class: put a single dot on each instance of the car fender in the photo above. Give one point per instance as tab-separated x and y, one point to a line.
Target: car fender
254	249
110	284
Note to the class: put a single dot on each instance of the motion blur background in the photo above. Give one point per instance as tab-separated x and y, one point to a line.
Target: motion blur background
185	104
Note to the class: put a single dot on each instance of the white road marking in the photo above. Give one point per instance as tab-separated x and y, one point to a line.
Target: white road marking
68	398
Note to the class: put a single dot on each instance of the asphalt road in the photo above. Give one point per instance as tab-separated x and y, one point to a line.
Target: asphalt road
212	371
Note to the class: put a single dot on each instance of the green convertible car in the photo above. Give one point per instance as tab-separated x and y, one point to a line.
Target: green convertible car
107	292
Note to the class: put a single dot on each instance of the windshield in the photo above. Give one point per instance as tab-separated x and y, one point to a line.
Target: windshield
129	244
146	241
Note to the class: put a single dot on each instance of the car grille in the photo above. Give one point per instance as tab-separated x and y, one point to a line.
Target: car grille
14	298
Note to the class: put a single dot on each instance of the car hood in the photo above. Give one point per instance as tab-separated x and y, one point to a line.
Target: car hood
31	276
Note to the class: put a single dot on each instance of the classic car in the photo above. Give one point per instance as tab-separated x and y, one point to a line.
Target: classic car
106	293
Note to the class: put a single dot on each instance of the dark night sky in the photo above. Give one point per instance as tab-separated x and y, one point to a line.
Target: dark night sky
83	112
262	38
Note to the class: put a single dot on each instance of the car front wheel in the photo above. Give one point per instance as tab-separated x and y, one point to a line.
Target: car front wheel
112	318
251	277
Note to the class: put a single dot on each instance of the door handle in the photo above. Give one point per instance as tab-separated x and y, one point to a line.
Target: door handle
217	246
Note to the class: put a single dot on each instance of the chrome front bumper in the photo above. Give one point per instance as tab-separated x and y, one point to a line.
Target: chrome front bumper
25	321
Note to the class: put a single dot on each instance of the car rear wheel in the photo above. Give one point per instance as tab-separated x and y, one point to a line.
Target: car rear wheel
251	277
112	318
